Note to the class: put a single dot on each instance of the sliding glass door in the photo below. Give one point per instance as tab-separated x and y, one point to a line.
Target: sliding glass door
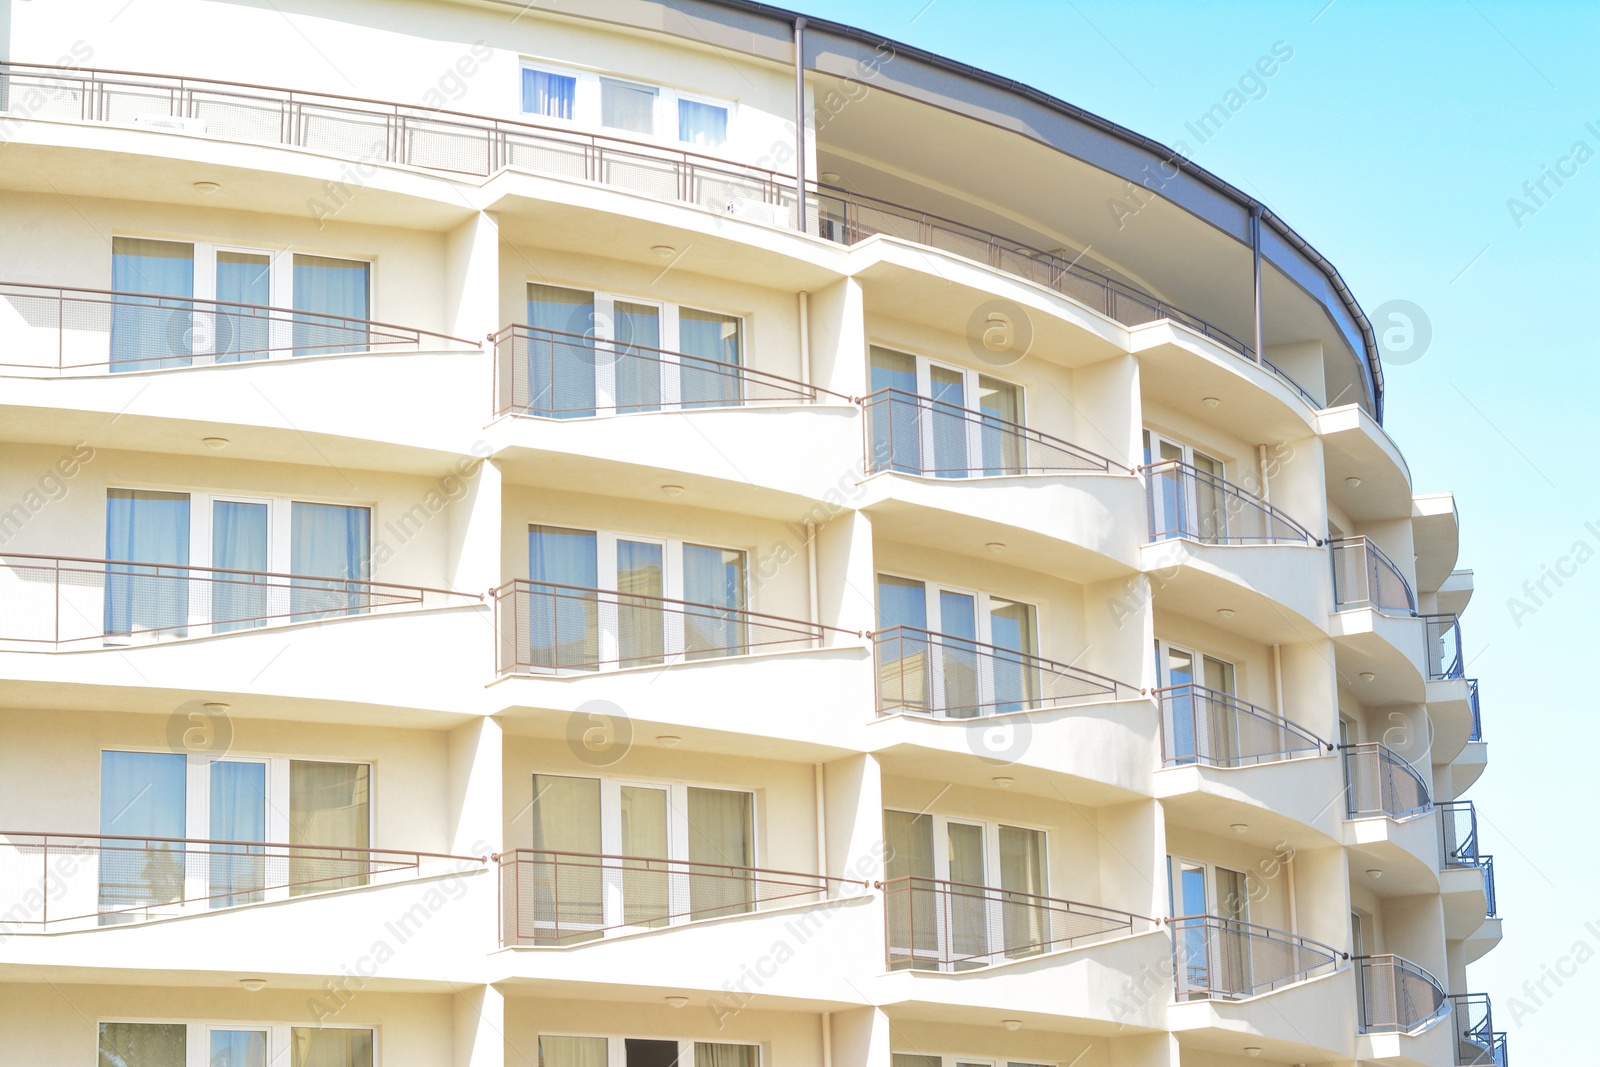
147	585
155	328
333	298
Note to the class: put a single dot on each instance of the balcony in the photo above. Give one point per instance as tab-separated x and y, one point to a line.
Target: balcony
1374	624
935	925
947	677
1478	1043
61	331
1477	716
1216	729
1444	648
1382	783
551	374
1398	997
556	899
1226	959
62	602
910	434
55	882
1468	900
1365	577
1184	501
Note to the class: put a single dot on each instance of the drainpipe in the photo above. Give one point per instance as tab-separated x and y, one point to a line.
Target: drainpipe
1255	256
805	337
1277	677
1261	466
811	576
827	1039
800	123
1294	910
822	825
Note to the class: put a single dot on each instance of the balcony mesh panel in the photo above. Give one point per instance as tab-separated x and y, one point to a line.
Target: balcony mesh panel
1382	783
547	155
344	132
924	672
1396	996
123	104
446	146
1201	725
225	115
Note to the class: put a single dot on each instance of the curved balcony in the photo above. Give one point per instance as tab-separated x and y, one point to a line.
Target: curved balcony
1468	900
65	602
1365	577
552	374
52	882
555	899
1383	783
1398	996
1478	1043
1184	501
911	434
56	330
937	925
1227	959
1216	729
924	673
1444	648
1374	624
456	142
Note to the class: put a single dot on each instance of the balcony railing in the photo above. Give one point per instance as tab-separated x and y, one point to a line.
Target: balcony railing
565	898
1201	725
1365	577
1226	959
375	131
1477	714
1458	825
1478	1043
1381	782
1444	647
1397	996
913	434
54	881
1184	501
556	375
66	601
951	926
1491	906
60	329
925	673
548	628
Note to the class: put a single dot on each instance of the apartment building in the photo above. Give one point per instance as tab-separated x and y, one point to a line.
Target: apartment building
643	532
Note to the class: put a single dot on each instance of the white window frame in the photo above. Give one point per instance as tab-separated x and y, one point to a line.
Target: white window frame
1164	648
1153	440
981	606
969	397
677	843
279	1036
617	1049
586	105
948	1059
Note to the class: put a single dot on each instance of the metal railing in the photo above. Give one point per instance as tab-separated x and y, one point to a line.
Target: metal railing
1379	781
1458	827
565	898
928	673
437	139
50	881
1229	959
548	628
1201	725
60	328
1444	647
1491	906
1184	501
932	924
913	434
67	600
1477	714
1397	996
557	375
1478	1043
1365	577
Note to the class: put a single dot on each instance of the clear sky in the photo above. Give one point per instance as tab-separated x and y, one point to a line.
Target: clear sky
1393	141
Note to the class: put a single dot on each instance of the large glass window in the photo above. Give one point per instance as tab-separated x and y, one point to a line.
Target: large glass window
143	1044
548	94
703	125
329	541
147	584
938	419
333	294
330	824
156	328
627	106
952	652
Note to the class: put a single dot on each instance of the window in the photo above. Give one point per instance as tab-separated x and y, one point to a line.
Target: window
154	537
1200	722
968	900
923	1059
1190	496
942	420
170	323
558	1051
161	798
954	653
687	850
1210	906
590	352
166	1044
634	109
600	599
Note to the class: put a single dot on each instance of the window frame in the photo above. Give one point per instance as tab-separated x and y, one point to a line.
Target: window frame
982	607
197	1041
617	1052
587	105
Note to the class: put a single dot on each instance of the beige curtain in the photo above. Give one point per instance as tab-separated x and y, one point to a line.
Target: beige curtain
707	1054
329	807
645	899
572	1051
721	822
1022	870
312	1046
563	894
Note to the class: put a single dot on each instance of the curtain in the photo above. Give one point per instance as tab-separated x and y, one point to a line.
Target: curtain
1016	679
238	813
1233	904
895	423
238	542
142	794
714	345
627	107
563	624
329	825
143	1044
243	332
1184	707
238	1048
1004	452
903	680
152	530
915	1059
640	620
155	330
572	1051
958	656
317	1046
326	293
645	897
637	361
1022	870
329	541
565	895
968	911
912	904
703	125
560	368
721	833
1221	735
714	577
1210	500
550	95
948	421
707	1054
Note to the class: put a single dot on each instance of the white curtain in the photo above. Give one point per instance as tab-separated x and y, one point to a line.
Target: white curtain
715	344
238	813
243	332
154	330
329	541
329	815
640	571
637	366
328	292
703	125
238	1048
150	529
238	542
328	1047
627	107
550	95
143	1044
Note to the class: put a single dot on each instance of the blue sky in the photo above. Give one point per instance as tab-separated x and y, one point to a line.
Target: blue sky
1393	141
